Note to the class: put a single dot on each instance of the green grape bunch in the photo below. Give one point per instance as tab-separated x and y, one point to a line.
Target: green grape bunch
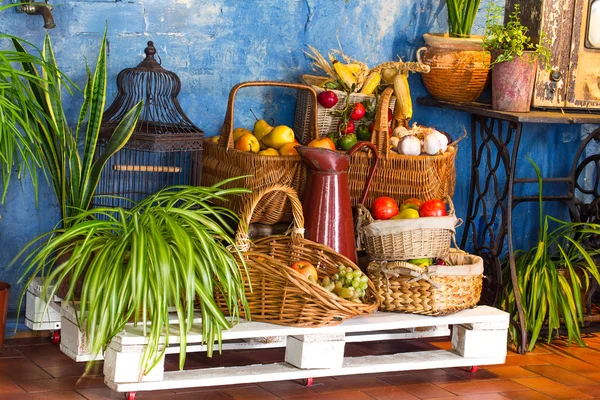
347	283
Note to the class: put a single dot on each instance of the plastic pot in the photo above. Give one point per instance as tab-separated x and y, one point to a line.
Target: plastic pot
512	83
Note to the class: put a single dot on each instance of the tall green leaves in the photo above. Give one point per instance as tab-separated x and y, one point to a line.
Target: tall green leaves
461	15
74	173
166	253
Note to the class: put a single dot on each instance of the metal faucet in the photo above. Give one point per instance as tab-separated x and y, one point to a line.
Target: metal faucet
43	9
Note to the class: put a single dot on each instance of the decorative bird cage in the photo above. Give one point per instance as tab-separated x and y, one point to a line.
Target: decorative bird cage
165	148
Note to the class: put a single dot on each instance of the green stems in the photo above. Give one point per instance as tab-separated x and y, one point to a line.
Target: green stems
461	15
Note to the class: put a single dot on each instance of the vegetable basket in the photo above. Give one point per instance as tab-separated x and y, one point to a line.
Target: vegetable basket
221	161
405	239
433	290
327	120
279	294
400	176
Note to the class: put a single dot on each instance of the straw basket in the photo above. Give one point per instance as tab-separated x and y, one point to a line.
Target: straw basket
281	295
406	239
435	290
327	121
400	176
221	160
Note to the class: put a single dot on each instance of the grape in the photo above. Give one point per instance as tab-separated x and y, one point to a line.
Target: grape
357	273
349	275
363	285
364	278
335	277
355	283
339	285
341	269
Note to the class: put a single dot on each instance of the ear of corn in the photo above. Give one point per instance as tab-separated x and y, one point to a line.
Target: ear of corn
403	99
354	67
344	74
371	83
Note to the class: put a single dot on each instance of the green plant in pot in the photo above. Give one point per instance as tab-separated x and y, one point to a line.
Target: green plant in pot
515	60
459	64
552	277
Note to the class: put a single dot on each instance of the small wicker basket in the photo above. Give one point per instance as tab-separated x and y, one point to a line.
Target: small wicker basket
281	295
436	290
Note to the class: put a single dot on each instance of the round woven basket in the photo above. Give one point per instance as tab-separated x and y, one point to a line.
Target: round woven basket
279	294
456	76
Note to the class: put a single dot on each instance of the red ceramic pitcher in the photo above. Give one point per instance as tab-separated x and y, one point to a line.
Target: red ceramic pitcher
327	207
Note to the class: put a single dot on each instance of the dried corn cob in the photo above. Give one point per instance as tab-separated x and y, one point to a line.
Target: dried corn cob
371	83
345	75
402	92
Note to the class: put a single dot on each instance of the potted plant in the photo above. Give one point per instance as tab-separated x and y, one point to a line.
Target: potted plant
459	64
515	60
169	252
552	277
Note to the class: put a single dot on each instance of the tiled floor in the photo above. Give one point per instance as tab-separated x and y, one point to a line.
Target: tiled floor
36	369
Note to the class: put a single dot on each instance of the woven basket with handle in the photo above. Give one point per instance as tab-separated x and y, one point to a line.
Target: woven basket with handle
400	176
436	290
221	160
281	295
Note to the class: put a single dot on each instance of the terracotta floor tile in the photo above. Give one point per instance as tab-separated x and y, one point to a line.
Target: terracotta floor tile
553	389
285	389
478	387
390	393
69	383
264	356
7	387
437	375
569	363
61	395
75	369
592	390
249	393
510	372
105	393
212	388
526	395
47	355
20	369
10	352
403	378
425	390
526	359
593	375
27	341
480	396
467	375
352	382
560	375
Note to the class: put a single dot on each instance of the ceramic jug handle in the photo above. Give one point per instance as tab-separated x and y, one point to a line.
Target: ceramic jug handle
419	51
374	164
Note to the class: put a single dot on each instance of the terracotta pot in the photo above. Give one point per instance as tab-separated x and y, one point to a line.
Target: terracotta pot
512	83
4	295
459	67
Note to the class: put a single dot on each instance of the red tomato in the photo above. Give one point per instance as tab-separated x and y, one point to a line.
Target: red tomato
346	129
327	99
358	112
433	208
384	208
390	115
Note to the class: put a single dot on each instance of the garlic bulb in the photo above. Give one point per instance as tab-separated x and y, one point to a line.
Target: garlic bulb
410	145
434	143
400	131
394	141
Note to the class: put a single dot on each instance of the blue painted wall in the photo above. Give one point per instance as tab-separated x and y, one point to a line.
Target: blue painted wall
212	45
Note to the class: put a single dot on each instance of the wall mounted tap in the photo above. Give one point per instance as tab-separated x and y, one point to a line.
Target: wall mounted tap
43	9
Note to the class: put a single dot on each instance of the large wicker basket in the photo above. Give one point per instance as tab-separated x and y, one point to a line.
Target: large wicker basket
436	290
221	161
281	295
400	176
327	120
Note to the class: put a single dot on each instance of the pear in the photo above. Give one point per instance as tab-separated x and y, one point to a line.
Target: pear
269	152
261	128
247	143
279	136
239	132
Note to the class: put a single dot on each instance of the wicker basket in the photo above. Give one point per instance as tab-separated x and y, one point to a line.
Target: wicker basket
327	121
400	176
281	295
436	290
406	239
221	161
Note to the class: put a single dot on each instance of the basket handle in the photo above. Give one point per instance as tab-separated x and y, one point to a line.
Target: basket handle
380	135
242	238
226	138
419	51
374	164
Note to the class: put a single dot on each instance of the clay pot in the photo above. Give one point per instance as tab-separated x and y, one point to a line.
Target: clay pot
4	295
512	83
459	67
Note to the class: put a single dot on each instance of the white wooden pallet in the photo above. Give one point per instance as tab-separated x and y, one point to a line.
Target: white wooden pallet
479	337
39	314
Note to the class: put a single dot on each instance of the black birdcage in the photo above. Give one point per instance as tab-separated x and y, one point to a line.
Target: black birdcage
165	148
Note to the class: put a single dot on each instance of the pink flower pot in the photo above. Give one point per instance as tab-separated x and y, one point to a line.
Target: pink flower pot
512	83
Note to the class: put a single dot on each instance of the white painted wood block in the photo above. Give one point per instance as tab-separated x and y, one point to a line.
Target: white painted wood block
125	365
315	351
484	343
73	342
38	311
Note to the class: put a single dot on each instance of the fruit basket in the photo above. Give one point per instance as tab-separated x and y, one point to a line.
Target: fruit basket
281	295
221	161
433	290
405	239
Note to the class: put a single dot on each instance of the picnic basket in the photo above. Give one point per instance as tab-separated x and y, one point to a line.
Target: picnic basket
281	295
221	161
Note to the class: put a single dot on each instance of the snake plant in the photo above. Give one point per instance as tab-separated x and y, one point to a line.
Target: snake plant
461	15
136	265
552	277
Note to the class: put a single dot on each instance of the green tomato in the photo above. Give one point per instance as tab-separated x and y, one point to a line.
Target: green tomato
347	141
363	134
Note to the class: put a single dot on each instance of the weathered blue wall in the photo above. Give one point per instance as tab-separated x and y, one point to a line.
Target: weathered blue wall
212	45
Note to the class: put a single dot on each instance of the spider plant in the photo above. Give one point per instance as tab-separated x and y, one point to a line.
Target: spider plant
74	171
461	15
550	296
138	264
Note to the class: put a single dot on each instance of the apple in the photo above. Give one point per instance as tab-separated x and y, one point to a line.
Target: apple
433	208
327	99
324	143
441	261
306	269
384	208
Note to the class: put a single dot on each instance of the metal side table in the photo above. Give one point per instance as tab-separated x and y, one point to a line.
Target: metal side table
495	142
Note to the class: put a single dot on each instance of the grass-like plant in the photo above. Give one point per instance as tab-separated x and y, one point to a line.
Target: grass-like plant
169	251
461	15
552	277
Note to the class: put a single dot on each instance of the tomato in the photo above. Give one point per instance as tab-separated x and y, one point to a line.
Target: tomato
327	99
346	128
390	115
384	208
347	141
433	208
358	112
363	134
325	143
306	269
